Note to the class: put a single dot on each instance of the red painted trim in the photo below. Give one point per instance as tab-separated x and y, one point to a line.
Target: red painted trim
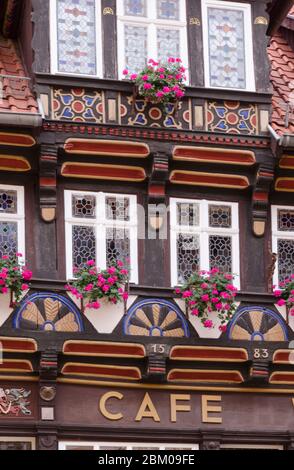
108	349
95	171
103	147
47	181
260	197
10	163
209	354
194	178
204	375
23	345
16	139
239	157
99	370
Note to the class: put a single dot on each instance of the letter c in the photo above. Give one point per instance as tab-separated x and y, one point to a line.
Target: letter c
102	405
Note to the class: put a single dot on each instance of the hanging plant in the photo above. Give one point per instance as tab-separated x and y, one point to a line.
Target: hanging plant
285	294
210	291
160	82
92	285
14	277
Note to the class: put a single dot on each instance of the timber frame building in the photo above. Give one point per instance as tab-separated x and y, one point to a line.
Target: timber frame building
74	139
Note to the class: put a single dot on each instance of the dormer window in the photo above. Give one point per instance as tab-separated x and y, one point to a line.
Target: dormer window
76	37
227	39
150	29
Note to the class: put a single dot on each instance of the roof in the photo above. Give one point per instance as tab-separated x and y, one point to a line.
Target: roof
282	76
15	93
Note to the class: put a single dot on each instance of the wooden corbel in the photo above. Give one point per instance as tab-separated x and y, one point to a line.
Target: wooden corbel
158	177
260	199
47	182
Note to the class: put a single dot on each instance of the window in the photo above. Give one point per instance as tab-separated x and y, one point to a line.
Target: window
17	443
227	39
12	233
204	235
150	29
283	241
76	37
77	445
100	227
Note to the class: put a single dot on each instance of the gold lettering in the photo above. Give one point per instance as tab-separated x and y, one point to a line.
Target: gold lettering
174	407
104	411
206	408
147	410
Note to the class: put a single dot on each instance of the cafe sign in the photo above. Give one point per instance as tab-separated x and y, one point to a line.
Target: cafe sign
166	409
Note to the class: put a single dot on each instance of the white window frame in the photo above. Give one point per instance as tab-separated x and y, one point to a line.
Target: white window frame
248	40
204	231
53	42
63	445
19	217
31	440
279	234
100	223
151	22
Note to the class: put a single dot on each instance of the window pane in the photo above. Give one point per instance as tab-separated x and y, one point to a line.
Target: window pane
83	206
135	7
220	216
8	238
286	220
168	9
83	245
285	258
117	208
117	245
76	36
187	214
220	253
135	47
8	202
188	253
226	48
168	41
10	445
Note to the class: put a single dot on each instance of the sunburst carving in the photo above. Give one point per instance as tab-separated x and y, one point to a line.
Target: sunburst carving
257	324
157	319
48	312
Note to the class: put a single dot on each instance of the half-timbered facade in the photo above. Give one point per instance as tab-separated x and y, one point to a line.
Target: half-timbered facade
76	145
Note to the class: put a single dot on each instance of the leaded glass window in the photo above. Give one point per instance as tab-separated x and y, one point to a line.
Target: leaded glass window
150	29
100	227
135	7
12	236
283	241
228	45
135	47
75	38
168	43
204	235
168	9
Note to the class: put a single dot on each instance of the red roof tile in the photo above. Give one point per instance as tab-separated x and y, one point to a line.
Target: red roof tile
16	95
282	76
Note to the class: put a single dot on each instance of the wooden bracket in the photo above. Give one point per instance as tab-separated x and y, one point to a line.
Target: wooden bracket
159	176
259	372
260	199
47	182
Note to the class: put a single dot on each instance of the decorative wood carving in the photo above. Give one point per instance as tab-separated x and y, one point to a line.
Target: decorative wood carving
48	368
211	445
48	442
260	198
47	182
159	177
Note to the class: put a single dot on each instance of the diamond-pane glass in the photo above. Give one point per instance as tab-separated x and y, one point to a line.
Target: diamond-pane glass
188	255
188	214
117	208
285	258
8	202
76	36
83	206
8	238
220	253
117	245
220	216
168	41
135	47
83	245
135	7
286	220
226	48
168	9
